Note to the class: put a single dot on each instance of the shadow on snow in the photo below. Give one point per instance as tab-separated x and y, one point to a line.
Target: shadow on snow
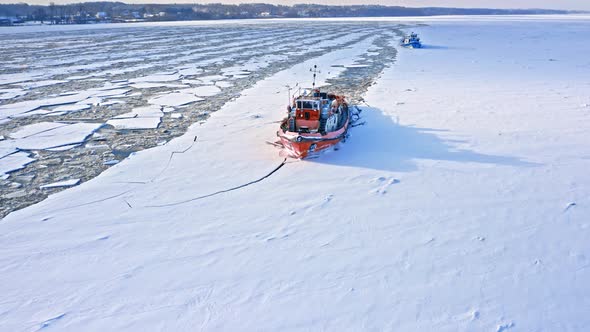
442	47
383	144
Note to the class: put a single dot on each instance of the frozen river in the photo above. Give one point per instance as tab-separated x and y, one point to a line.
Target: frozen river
461	204
74	102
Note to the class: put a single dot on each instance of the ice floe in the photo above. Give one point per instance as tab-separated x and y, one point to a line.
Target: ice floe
72	108
356	66
35	112
156	78
113	102
39	84
14	161
239	76
235	72
150	85
190	71
17	78
64	147
91	96
110	93
223	84
211	79
174	99
65	183
46	135
148	117
203	91
6	94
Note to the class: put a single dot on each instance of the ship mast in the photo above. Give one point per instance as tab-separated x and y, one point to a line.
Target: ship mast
314	70
289	88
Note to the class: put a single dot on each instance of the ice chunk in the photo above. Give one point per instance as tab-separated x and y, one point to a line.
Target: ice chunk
14	162
156	78
112	102
203	91
190	71
64	148
72	108
36	112
239	76
17	78
112	93
38	84
211	79
45	135
6	94
6	149
235	72
175	99
150	85
35	129
140	118
223	84
66	183
9	110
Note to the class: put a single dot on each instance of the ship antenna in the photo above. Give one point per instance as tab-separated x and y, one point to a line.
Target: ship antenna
315	71
289	88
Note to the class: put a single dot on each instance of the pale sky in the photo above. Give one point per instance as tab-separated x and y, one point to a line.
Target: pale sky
550	4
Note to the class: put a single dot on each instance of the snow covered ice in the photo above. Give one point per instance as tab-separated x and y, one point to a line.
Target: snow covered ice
462	203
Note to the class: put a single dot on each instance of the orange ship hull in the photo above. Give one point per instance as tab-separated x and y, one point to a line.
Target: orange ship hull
300	145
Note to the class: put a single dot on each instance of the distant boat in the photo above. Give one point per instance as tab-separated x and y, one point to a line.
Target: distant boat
411	41
315	121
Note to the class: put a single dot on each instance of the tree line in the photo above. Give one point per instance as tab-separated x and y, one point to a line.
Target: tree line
88	12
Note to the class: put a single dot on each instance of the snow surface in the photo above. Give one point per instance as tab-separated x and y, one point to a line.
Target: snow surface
462	204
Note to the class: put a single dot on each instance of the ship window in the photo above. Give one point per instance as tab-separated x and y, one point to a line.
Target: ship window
306	104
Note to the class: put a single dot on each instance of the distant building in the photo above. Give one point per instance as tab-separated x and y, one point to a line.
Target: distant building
5	21
101	15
